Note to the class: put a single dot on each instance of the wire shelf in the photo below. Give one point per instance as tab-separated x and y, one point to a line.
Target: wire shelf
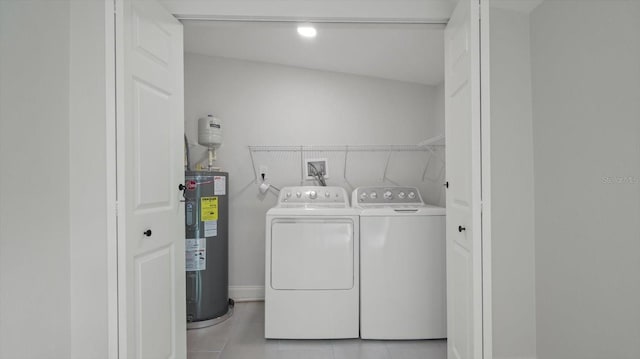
429	145
343	148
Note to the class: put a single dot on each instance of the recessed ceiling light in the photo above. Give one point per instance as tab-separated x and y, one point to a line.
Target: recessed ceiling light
307	30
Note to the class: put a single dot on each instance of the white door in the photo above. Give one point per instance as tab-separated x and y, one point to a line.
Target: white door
151	277
464	241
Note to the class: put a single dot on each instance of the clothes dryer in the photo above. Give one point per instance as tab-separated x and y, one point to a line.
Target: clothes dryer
312	265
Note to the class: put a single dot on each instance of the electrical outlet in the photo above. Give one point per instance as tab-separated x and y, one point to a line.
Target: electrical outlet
320	164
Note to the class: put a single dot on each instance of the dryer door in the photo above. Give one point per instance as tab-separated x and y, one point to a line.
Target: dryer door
312	254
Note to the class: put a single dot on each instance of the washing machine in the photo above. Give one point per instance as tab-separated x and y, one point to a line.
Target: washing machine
312	265
402	264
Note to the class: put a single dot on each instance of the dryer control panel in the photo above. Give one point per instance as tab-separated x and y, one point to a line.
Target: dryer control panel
313	195
377	196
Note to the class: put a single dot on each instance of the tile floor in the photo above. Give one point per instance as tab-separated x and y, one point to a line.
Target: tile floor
242	337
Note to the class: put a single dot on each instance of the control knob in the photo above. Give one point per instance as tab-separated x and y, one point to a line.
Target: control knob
327	194
313	194
298	194
412	195
402	195
388	195
373	195
363	195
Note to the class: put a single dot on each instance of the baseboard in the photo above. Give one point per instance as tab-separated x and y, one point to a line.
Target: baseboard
246	293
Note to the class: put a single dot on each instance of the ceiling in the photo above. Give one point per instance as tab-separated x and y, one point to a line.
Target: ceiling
403	52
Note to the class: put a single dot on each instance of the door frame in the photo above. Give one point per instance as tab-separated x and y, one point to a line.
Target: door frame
114	90
112	179
485	178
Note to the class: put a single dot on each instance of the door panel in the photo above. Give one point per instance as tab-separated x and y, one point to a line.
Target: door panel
462	127
151	279
312	254
151	39
151	126
152	302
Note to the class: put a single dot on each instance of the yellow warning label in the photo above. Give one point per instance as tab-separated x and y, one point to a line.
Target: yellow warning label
209	209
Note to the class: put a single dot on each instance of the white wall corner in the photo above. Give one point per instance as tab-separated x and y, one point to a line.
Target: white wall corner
246	293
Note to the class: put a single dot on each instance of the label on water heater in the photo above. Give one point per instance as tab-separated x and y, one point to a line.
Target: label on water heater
208	209
219	185
195	254
210	228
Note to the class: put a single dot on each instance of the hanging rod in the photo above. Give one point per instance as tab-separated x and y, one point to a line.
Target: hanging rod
343	148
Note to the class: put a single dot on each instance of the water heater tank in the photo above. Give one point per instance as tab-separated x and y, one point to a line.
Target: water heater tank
210	131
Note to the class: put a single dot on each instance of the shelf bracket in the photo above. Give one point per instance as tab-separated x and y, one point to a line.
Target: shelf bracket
426	166
302	165
253	166
386	165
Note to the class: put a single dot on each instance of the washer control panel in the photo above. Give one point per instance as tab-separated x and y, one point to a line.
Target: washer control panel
313	195
386	195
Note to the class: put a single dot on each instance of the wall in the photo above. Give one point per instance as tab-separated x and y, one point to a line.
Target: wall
88	173
512	201
53	200
262	104
34	180
586	123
